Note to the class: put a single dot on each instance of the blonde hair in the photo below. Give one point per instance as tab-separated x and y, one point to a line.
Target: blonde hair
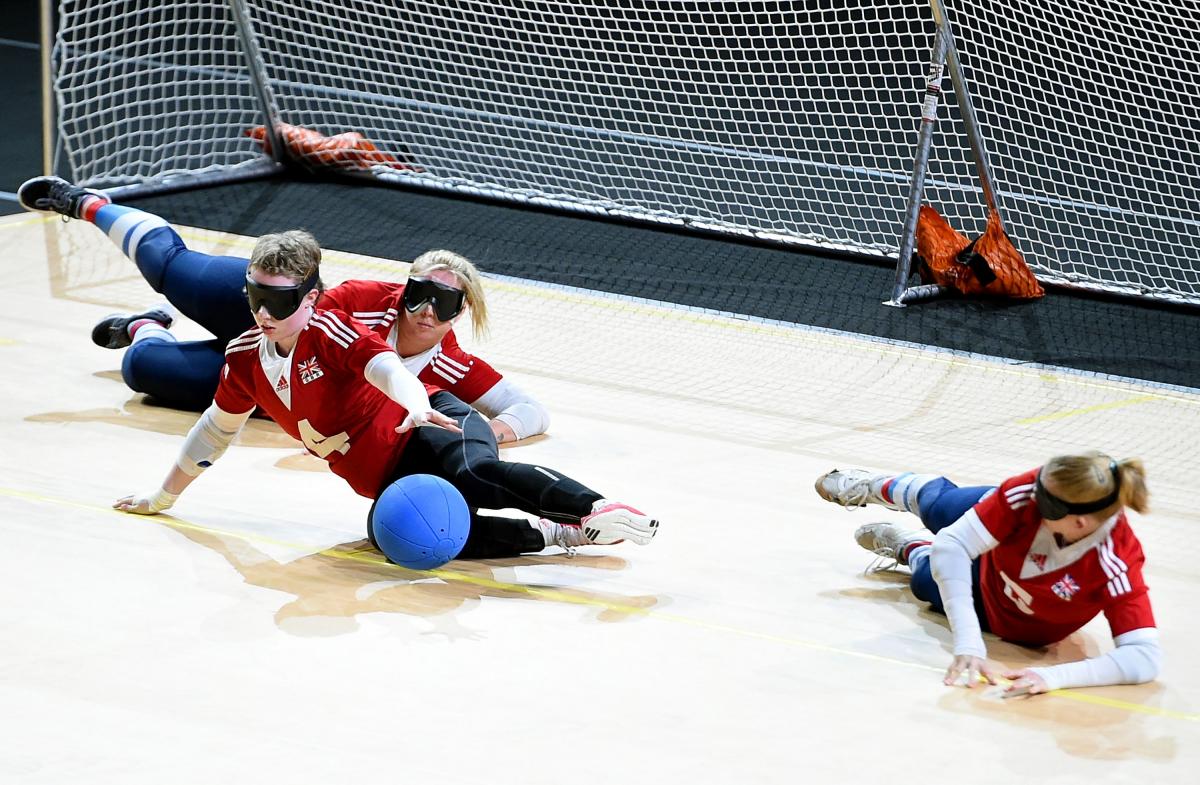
468	275
1087	477
294	253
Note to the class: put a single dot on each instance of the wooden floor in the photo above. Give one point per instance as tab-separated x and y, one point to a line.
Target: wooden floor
252	636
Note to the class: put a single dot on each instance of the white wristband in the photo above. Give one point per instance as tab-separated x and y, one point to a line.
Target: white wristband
161	500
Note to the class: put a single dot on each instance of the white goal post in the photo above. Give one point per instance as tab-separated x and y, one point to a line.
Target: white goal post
790	121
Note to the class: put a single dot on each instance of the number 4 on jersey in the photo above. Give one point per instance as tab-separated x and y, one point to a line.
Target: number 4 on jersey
1021	598
319	445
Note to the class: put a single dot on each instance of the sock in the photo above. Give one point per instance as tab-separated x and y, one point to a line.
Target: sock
90	205
143	329
899	492
915	555
125	226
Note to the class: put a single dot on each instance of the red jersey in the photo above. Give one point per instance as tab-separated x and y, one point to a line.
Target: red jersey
377	304
319	395
1036	592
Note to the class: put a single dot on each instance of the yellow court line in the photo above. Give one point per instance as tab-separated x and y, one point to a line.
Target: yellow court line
1088	409
576	599
1112	703
12	221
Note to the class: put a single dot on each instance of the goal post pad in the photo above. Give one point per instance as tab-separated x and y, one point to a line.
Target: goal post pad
989	266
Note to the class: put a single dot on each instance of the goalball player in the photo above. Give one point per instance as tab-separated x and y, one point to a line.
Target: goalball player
416	317
1032	560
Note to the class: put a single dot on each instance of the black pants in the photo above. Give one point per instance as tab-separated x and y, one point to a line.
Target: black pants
470	461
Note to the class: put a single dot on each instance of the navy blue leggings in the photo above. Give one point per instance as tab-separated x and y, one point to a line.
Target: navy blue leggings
942	503
207	289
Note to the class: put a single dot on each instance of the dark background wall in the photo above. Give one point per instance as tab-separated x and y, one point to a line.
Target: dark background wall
21	110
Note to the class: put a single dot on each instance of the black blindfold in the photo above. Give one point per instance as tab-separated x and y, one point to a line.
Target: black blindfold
1053	508
447	301
280	301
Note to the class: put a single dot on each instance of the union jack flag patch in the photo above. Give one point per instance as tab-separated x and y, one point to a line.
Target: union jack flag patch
1065	588
309	371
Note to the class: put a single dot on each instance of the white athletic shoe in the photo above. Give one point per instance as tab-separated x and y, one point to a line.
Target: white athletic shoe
850	488
890	543
613	522
567	536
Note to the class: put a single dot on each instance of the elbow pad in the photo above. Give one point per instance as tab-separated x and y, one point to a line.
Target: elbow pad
514	407
208	439
1138	655
526	419
386	372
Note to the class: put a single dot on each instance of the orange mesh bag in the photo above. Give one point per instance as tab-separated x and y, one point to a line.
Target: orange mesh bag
348	150
937	246
991	265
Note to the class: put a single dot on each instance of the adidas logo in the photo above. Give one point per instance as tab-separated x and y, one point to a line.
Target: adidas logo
282	384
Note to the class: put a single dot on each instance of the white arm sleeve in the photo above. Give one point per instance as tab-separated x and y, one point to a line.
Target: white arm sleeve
1136	659
954	547
208	439
514	407
387	372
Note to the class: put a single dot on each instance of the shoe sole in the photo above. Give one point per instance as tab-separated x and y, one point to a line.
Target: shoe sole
40	190
620	525
104	336
824	494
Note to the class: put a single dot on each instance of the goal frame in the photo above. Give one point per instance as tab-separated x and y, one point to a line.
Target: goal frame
944	58
944	63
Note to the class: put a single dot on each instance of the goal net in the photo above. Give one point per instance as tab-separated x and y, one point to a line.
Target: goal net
789	121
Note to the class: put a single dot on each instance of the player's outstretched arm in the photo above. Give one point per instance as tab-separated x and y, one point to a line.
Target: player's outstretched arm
387	372
954	547
1136	659
205	443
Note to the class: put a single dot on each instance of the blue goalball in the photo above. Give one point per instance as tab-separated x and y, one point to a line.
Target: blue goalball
420	522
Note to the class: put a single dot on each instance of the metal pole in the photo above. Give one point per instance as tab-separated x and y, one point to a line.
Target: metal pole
258	76
974	135
908	237
255	171
47	22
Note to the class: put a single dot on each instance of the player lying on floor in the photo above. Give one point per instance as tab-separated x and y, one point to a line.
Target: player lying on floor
1032	561
416	318
335	385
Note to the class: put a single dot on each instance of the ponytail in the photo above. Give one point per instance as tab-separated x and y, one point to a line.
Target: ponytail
1134	493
